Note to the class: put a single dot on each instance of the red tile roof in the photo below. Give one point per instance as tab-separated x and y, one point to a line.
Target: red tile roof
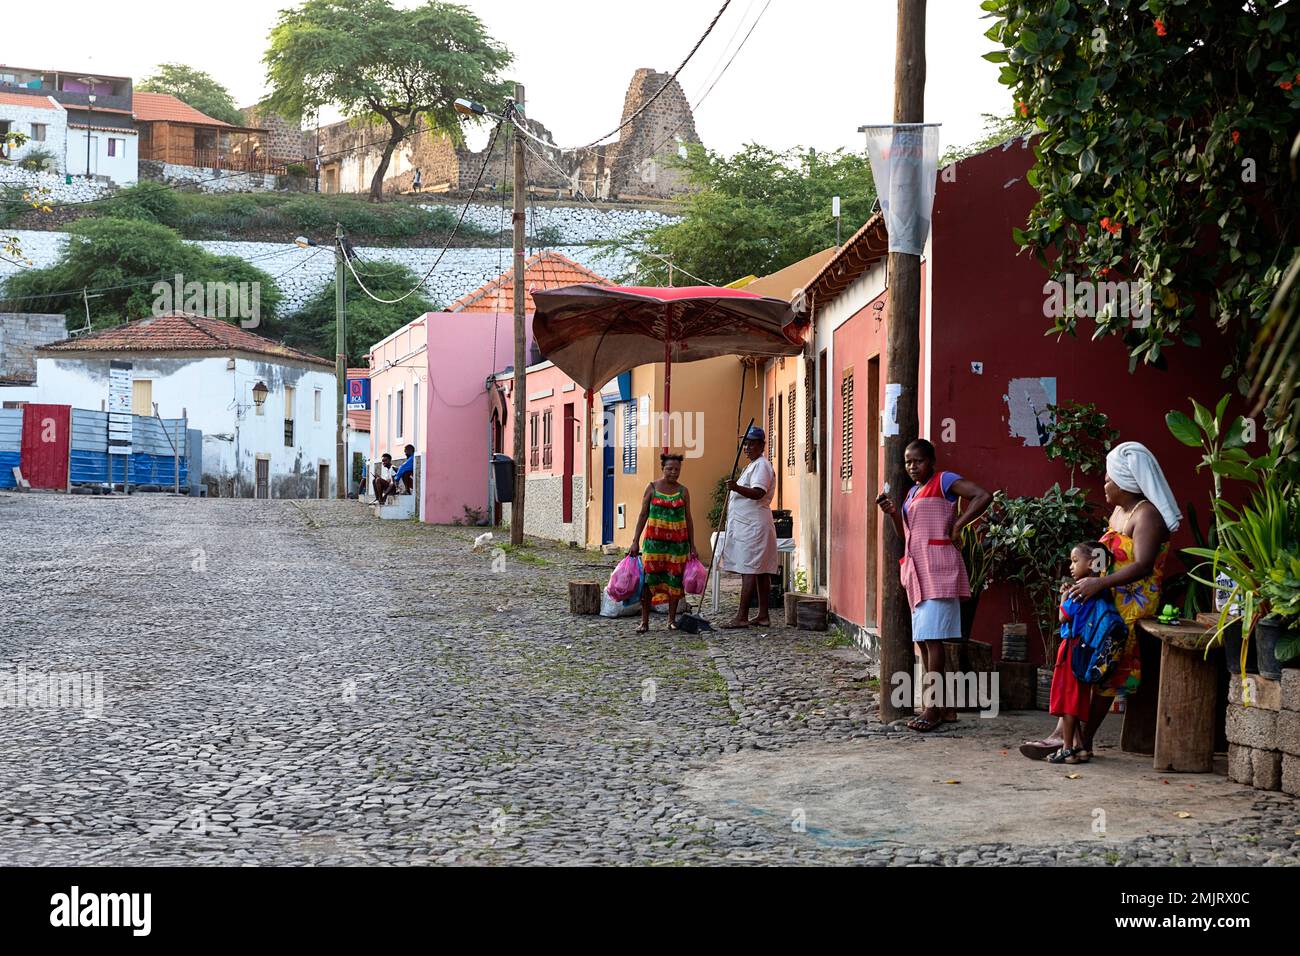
181	332
31	102
546	270
156	107
359	420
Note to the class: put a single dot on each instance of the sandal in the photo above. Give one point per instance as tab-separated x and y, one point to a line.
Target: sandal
641	629
922	725
672	625
1082	754
1064	755
1038	749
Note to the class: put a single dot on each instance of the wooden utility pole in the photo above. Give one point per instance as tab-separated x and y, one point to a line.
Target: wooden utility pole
340	360
521	350
903	346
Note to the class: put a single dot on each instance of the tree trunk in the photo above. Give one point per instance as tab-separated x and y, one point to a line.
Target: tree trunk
377	181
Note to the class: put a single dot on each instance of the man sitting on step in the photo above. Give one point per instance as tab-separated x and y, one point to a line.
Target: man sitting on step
406	474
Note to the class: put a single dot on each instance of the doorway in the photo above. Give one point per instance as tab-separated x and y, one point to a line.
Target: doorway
323	481
872	453
263	487
607	487
823	534
566	490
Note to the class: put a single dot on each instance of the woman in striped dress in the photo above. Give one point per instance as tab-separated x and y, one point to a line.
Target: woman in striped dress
669	541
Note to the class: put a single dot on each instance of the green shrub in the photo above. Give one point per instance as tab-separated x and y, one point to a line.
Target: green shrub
38	160
146	202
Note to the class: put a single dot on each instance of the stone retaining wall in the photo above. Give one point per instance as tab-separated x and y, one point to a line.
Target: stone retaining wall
300	273
1264	737
54	188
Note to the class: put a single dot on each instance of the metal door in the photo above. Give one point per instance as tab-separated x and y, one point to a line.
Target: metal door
47	434
263	479
607	491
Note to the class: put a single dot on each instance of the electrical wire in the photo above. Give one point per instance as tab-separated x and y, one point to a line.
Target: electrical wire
669	82
581	195
128	285
450	239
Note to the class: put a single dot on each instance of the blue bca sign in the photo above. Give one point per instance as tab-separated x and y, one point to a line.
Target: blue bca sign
358	394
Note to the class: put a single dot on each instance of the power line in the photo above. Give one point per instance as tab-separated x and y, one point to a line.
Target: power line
583	196
487	158
669	82
130	285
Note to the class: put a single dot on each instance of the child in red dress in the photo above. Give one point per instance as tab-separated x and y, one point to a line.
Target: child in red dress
1071	698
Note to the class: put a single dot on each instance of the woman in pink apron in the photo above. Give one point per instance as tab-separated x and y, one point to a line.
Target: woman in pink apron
932	570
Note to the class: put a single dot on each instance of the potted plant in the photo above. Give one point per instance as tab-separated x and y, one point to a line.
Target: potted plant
1280	589
978	559
1080	436
1253	540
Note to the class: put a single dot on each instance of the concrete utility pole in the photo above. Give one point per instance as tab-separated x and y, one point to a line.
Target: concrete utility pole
903	346
340	358
521	350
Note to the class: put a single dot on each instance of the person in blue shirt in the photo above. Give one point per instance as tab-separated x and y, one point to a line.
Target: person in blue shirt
406	474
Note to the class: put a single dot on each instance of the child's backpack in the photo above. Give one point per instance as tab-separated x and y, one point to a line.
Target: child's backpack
1102	636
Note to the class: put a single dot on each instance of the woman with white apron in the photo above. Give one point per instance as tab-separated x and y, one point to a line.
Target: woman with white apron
750	546
932	570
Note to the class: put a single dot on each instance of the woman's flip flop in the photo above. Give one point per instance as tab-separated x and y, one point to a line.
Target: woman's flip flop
922	726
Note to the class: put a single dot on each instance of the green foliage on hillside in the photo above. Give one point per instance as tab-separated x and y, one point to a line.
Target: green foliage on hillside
119	260
312	329
280	217
754	213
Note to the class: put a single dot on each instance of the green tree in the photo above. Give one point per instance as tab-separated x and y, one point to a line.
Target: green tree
312	327
380	65
753	213
194	87
119	260
1164	131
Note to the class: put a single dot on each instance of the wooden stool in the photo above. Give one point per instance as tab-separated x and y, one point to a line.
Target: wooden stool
1188	688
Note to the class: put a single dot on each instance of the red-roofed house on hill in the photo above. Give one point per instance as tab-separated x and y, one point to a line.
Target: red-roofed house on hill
273	443
174	133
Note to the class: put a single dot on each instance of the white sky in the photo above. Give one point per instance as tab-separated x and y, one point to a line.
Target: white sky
812	72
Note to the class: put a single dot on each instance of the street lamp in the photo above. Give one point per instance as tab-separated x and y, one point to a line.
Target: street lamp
90	82
259	394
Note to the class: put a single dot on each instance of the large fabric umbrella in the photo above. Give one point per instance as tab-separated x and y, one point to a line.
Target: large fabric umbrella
594	333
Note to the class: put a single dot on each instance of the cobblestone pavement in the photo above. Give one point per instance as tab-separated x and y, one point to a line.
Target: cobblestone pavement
298	683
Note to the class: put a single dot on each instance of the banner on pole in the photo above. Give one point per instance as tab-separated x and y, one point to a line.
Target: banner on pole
904	163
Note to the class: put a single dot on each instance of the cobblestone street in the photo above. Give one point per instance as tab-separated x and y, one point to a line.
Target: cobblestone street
295	682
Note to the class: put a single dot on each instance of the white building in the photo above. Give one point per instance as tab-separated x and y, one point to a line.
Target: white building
99	131
42	120
277	441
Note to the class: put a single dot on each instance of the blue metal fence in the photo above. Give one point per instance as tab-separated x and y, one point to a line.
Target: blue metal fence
150	463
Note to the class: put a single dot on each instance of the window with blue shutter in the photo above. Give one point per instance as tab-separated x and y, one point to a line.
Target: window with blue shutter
629	438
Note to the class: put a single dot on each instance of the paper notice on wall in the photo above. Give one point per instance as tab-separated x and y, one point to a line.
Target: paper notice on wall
904	161
889	417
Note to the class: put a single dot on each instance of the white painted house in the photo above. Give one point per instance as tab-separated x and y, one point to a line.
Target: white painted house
266	411
42	120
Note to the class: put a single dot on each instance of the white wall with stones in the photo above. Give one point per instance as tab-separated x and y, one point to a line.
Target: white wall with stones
573	224
301	272
51	187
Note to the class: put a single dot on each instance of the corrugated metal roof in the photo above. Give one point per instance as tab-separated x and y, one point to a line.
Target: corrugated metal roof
180	331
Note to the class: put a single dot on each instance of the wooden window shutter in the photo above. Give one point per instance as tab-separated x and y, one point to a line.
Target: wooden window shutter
846	426
771	428
810	415
789	435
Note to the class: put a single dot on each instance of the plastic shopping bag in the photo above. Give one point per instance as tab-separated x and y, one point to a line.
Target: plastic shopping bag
626	579
694	576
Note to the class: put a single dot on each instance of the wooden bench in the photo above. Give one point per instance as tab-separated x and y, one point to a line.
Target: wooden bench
1177	723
